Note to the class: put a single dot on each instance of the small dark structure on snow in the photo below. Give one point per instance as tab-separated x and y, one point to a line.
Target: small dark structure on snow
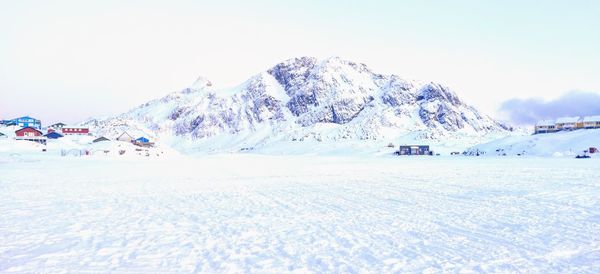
414	150
53	135
101	139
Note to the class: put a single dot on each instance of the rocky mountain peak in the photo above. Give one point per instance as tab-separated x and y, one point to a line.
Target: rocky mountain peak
300	98
201	83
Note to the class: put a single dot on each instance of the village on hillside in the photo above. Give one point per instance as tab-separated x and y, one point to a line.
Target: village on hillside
567	123
81	140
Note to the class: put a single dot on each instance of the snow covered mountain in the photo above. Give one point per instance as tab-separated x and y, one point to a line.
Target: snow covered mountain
305	99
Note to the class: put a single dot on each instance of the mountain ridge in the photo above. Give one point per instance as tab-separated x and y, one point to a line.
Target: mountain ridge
306	98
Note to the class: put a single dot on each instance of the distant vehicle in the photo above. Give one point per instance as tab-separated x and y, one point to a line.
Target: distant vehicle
584	156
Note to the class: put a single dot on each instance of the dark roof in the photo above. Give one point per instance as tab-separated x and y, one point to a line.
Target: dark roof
54	135
27	128
100	139
126	134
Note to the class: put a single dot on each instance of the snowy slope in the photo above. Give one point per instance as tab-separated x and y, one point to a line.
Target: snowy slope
304	99
564	143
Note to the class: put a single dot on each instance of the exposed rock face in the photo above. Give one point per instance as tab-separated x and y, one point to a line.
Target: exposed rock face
303	98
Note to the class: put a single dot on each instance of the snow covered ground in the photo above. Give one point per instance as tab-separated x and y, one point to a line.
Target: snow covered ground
559	144
256	213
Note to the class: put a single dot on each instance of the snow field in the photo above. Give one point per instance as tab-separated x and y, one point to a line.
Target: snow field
252	213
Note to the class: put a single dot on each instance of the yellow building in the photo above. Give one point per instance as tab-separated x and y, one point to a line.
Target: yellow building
591	122
569	123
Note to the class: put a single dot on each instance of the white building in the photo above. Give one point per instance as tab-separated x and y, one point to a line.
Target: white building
125	137
545	126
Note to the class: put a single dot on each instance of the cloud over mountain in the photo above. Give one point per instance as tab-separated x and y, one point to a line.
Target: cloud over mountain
528	111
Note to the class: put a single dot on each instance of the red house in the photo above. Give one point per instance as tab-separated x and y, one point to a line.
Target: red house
67	130
28	132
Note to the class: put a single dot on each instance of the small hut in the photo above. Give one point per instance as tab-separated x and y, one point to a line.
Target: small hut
414	150
125	137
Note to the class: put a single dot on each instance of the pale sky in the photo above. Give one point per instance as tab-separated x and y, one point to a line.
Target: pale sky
70	60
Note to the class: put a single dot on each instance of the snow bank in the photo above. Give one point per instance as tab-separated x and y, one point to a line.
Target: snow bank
564	143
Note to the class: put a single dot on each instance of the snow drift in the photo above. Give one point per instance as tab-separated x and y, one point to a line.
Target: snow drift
564	143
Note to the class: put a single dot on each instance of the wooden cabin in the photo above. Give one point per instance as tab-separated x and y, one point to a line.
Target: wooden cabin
30	134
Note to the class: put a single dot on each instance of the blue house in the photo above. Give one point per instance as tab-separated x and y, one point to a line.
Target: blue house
8	123
26	121
53	135
142	140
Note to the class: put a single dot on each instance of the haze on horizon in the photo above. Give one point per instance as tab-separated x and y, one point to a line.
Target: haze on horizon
70	60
